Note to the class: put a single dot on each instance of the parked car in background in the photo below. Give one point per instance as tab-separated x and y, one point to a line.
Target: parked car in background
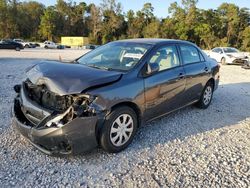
104	96
228	55
25	44
90	46
52	45
37	44
9	44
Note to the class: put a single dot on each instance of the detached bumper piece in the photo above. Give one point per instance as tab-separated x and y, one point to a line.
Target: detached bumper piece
76	136
246	65
240	61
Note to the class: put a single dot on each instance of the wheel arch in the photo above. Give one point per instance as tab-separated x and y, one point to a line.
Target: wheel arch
133	106
211	80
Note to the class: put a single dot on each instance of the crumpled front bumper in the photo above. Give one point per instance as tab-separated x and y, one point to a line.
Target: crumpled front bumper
235	60
77	136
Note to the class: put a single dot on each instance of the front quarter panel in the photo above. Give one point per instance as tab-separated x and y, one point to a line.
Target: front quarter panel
127	89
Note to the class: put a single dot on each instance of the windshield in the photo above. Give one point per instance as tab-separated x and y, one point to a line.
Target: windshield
230	50
121	56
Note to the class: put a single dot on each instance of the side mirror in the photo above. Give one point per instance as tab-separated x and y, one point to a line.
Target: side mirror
220	52
152	68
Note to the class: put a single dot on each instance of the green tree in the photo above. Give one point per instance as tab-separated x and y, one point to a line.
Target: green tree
113	21
94	24
231	21
246	39
3	18
47	27
147	11
28	19
152	30
167	29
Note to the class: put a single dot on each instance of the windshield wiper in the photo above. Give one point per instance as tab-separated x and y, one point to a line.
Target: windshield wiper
97	67
75	62
101	68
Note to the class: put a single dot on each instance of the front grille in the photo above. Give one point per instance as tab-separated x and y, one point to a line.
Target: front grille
47	99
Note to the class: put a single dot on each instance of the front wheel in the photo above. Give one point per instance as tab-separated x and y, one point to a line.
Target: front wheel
118	130
206	96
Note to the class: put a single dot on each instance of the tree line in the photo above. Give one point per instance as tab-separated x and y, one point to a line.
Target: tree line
228	25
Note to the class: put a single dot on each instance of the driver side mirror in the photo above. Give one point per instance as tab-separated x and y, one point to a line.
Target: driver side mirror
152	68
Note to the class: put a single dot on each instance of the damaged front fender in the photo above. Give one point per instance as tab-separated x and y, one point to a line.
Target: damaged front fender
73	130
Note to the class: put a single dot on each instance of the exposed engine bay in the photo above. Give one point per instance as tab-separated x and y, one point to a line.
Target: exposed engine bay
64	108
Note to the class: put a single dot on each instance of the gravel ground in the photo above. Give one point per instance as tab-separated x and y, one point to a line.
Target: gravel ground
190	147
38	53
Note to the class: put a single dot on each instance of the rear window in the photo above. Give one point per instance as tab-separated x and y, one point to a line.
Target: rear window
189	54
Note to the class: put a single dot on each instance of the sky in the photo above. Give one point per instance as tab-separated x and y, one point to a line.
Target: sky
160	6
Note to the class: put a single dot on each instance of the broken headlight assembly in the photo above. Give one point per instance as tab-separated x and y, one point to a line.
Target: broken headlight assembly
81	107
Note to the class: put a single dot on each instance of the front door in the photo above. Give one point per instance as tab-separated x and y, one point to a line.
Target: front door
164	89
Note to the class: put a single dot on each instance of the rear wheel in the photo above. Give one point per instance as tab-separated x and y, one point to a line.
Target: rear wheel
223	61
118	130
206	96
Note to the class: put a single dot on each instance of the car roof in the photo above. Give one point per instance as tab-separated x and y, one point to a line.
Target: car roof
154	41
225	47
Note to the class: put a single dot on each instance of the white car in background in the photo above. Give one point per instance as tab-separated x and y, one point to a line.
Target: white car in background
52	45
228	55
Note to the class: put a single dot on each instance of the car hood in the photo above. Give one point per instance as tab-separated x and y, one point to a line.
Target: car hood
66	78
238	55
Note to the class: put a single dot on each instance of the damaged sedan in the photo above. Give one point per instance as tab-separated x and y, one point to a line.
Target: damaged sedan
103	97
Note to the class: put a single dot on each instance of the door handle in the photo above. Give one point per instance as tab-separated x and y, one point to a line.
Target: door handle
181	76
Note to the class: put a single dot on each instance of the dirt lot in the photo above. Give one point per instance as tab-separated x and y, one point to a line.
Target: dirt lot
41	53
190	147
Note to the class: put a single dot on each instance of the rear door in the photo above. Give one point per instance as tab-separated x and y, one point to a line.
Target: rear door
196	70
164	89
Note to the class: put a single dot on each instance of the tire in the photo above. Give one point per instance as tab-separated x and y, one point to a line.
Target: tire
46	47
17	49
110	142
223	61
206	97
26	46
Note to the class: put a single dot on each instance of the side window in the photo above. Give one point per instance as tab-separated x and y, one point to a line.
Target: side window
189	54
166	58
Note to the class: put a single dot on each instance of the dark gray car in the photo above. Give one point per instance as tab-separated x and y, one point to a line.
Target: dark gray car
104	96
9	44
